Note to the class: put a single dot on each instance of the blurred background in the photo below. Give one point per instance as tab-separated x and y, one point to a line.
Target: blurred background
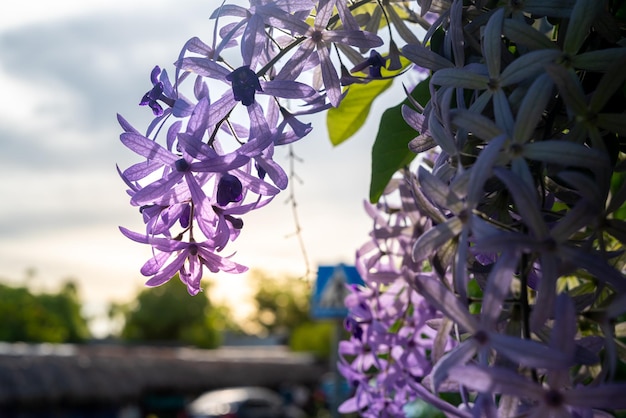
77	327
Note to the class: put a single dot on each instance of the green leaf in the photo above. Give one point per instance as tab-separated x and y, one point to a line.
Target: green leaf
343	121
390	151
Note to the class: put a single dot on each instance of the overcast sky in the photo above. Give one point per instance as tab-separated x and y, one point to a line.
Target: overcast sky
65	71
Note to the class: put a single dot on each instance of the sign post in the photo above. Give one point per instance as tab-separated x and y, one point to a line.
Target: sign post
328	303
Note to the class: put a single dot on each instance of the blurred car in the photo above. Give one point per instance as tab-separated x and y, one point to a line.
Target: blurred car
242	402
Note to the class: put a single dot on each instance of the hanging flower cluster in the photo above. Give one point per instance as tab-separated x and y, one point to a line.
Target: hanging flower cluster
495	268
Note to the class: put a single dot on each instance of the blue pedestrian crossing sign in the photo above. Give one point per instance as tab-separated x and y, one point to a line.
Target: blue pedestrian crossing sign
330	290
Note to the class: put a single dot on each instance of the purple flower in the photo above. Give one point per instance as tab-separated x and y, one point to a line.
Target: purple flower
188	259
152	97
375	62
245	84
319	39
229	189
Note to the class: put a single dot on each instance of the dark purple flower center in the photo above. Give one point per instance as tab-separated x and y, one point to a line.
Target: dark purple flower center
229	189
245	84
236	223
376	62
185	216
351	325
553	398
151	97
482	337
193	249
316	36
182	165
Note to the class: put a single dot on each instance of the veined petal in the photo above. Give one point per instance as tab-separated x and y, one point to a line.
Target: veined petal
528	353
483	169
608	395
135	236
502	111
292	68
430	241
498	287
274	171
156	189
140	170
532	107
148	148
526	201
528	66
547	291
217	263
565	153
458	356
440	135
252	41
198	121
281	19
445	301
583	14
477	124
595	265
287	89
458	77
426	58
353	37
495	380
599	60
569	88
221	108
255	185
492	42
329	75
153	265
203	66
524	34
438	192
168	272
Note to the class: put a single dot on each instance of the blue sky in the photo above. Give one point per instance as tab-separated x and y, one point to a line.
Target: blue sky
65	71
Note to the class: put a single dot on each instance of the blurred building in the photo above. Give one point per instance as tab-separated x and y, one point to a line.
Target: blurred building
124	381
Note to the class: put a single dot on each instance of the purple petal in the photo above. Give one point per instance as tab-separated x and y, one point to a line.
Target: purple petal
496	380
153	191
528	353
287	89
460	355
204	67
329	75
445	301
147	148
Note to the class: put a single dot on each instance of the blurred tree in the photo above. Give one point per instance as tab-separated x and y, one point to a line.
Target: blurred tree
281	303
167	314
283	310
45	317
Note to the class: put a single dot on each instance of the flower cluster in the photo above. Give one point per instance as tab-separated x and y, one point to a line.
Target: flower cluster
206	164
511	236
495	268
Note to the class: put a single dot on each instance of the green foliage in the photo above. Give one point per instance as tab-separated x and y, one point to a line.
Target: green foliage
281	304
167	314
283	309
45	317
313	337
344	121
390	152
